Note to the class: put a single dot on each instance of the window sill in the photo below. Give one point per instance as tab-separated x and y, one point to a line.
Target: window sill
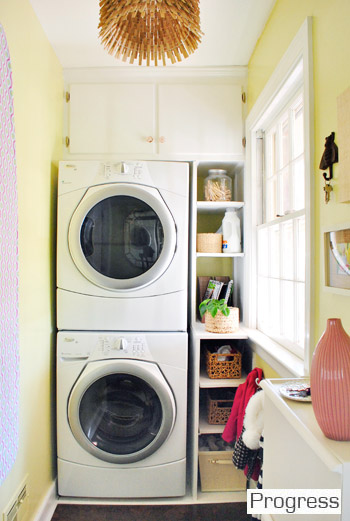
285	363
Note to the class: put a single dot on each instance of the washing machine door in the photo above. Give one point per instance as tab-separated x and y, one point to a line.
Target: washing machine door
122	236
121	411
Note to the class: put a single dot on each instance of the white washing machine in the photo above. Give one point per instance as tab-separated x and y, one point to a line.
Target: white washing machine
121	414
122	245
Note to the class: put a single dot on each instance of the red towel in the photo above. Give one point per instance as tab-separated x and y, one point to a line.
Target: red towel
245	391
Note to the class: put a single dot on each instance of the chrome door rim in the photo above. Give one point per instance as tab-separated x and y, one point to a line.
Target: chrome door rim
146	371
146	194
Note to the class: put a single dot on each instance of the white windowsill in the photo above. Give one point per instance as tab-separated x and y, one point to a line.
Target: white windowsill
285	363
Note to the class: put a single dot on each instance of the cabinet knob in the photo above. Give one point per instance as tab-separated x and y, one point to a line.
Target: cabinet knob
149	139
162	139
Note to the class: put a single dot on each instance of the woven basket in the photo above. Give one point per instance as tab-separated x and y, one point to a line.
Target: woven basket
222	324
209	242
219	405
230	367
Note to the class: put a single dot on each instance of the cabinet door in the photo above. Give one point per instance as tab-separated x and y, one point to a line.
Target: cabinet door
112	118
200	119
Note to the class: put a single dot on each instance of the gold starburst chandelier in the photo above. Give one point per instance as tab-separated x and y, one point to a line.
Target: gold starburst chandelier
150	30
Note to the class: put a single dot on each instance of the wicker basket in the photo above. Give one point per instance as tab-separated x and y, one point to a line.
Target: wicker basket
219	405
230	367
209	242
222	324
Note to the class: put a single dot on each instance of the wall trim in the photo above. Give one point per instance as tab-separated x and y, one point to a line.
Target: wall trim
152	74
48	505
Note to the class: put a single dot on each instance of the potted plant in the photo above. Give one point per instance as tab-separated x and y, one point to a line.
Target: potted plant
219	317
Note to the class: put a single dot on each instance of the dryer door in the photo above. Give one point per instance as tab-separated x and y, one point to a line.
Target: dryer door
121	411
122	236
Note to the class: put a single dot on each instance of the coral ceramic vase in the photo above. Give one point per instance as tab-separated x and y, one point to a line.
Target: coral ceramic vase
330	381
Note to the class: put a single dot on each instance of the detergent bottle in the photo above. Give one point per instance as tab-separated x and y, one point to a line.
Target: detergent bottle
231	232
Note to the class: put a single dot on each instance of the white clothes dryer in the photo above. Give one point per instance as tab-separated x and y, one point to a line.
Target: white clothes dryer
122	245
121	414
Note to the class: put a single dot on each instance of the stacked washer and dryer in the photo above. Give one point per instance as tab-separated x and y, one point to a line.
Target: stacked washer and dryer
122	270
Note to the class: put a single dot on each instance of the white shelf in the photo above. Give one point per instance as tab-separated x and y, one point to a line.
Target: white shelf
209	383
217	207
231	255
200	332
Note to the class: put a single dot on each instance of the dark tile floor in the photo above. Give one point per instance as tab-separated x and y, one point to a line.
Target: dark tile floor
208	512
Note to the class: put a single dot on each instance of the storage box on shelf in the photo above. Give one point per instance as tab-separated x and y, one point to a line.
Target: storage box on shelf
217	473
219	405
223	365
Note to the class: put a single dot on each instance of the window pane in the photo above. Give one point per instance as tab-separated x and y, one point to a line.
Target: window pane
263	265
300	314
300	249
287	250
271	199
263	308
275	251
299	184
298	129
274	308
287	309
284	142
286	192
271	153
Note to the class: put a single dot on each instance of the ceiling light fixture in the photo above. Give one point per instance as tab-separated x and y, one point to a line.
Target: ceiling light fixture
150	30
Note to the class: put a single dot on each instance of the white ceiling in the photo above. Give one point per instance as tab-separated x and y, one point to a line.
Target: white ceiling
231	29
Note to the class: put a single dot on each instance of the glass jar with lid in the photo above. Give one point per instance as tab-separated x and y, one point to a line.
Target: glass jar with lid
218	186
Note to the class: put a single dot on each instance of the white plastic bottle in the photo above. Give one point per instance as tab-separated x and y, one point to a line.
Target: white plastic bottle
231	232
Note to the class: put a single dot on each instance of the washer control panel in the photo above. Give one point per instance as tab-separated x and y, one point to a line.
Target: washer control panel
103	346
118	347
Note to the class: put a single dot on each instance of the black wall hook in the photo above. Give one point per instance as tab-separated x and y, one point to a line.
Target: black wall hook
329	157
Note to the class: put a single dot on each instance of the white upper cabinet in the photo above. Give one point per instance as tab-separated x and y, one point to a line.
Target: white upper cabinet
200	119
152	118
112	118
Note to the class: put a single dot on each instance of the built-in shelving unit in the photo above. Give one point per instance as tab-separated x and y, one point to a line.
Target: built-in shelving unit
207	217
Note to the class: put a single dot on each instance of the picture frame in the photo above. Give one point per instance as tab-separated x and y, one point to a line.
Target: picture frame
337	258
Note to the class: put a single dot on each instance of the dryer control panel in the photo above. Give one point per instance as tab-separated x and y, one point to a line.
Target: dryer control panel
84	174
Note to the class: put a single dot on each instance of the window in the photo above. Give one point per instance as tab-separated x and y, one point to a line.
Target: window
278	187
281	233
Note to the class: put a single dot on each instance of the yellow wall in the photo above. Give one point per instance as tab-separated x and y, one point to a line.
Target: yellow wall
38	101
331	41
267	370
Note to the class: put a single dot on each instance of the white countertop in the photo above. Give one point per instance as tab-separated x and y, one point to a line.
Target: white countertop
335	454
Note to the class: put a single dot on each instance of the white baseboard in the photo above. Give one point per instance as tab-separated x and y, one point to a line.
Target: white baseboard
48	506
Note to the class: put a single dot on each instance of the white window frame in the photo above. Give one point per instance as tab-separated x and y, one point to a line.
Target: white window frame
280	82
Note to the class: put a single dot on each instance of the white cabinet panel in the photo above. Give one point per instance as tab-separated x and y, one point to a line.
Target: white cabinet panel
112	118
297	455
200	119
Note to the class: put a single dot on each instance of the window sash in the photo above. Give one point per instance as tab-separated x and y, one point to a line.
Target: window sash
281	280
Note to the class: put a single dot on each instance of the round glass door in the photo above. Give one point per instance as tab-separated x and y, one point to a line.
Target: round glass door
121	416
122	236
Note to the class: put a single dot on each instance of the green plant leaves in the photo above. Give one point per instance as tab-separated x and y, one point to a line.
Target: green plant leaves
213	306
